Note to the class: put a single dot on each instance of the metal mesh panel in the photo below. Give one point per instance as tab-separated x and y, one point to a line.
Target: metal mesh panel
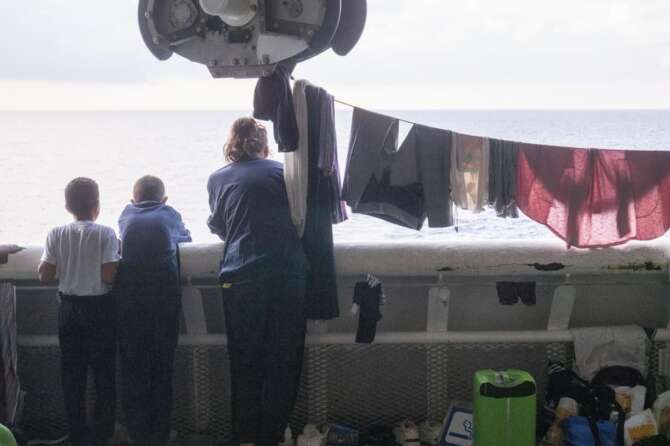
660	382
349	384
374	384
202	393
39	371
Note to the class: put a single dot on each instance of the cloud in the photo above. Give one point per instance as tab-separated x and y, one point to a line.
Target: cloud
160	94
603	51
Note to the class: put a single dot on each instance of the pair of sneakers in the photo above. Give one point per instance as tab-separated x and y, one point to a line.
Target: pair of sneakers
331	435
409	434
311	436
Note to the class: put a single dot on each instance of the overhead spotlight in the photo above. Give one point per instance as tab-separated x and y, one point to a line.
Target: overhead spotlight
248	38
232	12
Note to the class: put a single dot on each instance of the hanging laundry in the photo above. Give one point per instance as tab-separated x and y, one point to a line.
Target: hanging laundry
369	297
509	293
328	159
502	177
296	163
595	198
322	201
470	171
400	185
433	155
273	101
367	184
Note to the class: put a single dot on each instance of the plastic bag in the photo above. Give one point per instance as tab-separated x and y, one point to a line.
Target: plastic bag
662	413
640	426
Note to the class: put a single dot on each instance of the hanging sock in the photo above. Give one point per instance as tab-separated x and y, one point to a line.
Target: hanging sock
509	293
368	297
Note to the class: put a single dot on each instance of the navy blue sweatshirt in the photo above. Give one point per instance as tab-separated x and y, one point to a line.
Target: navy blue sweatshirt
250	212
150	232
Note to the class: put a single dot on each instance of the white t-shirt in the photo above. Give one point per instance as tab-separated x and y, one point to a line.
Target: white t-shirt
79	249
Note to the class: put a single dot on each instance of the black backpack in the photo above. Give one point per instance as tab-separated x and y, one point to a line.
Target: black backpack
629	377
597	401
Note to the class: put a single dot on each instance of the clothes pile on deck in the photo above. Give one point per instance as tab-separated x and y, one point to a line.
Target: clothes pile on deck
609	399
406	433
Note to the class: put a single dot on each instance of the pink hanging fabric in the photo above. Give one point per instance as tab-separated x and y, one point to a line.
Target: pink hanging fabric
595	198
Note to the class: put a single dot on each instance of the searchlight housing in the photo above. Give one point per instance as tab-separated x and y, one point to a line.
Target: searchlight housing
248	38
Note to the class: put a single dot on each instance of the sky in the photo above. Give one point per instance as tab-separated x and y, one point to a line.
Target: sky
414	54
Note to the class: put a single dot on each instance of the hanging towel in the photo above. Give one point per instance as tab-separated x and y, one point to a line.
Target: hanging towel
470	171
10	391
401	185
321	300
599	347
595	198
273	101
502	177
296	163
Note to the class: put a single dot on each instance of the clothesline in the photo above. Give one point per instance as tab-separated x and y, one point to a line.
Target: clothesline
590	198
355	106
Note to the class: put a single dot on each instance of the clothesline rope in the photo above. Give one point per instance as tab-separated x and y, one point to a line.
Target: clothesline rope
356	106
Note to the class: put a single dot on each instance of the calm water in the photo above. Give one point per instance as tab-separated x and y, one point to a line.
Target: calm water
41	151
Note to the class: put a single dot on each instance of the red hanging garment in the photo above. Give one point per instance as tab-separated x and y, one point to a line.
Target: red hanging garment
595	198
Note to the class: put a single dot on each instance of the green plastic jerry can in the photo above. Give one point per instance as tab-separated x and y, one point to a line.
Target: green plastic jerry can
505	408
6	437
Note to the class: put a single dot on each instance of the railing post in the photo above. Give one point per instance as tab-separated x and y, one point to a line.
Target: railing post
436	355
561	308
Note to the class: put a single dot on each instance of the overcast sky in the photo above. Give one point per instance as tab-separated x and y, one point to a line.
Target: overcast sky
88	54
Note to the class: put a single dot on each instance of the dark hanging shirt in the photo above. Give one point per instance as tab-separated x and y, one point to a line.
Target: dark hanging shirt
250	212
273	101
150	232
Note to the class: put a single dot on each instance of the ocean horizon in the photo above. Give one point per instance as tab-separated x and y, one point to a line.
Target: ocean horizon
40	151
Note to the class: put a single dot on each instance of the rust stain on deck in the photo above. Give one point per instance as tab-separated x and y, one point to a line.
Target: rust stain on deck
548	267
646	266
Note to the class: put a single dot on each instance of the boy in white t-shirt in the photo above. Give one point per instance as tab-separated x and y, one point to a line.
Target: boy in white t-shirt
84	256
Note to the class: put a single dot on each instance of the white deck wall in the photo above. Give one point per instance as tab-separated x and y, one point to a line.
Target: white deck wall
442	322
614	286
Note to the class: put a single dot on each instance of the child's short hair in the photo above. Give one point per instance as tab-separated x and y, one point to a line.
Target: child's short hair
148	188
82	196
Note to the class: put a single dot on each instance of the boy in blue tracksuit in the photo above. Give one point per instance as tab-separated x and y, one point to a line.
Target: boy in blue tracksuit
149	304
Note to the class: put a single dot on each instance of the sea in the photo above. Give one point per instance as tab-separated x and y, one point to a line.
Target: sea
41	151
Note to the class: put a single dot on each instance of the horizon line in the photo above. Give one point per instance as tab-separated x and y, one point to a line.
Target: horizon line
240	110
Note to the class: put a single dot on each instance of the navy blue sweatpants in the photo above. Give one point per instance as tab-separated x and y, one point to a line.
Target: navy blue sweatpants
265	323
149	307
87	338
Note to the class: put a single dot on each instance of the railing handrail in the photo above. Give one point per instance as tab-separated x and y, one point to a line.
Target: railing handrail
428	258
